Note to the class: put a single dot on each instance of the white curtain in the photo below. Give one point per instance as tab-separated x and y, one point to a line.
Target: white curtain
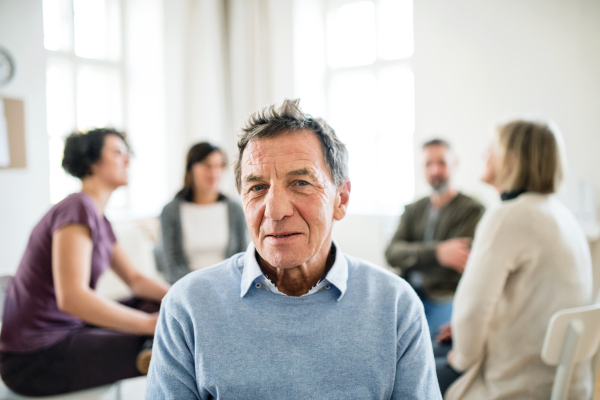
224	60
249	56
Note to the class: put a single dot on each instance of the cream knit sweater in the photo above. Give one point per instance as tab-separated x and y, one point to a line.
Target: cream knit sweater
530	258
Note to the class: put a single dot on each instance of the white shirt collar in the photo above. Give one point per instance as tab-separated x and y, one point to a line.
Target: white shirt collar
337	275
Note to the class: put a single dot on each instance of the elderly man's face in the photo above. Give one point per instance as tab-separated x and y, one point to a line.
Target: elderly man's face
289	198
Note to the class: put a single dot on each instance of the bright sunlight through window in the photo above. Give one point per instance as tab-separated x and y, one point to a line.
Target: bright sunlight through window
84	79
362	83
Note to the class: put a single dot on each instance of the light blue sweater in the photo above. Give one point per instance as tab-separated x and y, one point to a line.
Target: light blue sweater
213	343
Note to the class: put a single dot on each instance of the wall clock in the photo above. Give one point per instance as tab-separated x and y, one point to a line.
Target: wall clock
7	67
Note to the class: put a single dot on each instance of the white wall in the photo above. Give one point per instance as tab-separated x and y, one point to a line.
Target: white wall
24	193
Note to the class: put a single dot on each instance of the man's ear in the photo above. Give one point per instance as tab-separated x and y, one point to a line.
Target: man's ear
342	198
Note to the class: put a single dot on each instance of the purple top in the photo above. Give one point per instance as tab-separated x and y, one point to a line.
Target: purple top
32	320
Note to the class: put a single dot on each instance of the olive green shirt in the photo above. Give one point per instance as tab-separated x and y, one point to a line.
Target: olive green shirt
410	253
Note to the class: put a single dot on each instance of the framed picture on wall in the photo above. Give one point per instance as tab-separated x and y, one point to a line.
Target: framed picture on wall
12	134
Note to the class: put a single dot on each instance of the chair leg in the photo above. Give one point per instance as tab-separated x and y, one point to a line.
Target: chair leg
564	370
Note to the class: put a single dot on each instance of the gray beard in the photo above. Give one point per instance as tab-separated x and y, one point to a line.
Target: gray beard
441	188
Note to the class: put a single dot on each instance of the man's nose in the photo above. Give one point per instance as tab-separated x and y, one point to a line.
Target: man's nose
435	169
278	204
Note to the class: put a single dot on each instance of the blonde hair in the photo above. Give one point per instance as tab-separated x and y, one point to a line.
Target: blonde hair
530	156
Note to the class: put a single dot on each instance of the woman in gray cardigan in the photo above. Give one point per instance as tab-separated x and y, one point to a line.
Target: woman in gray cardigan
201	226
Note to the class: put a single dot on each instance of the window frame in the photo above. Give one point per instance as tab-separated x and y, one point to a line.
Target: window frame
375	68
76	62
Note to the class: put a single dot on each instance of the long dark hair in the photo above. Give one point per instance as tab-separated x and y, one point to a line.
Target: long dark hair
197	153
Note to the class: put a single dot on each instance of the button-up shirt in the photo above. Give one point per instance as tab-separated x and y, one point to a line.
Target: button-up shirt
253	275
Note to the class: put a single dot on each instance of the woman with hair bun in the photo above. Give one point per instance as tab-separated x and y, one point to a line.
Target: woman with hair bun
201	226
530	258
58	335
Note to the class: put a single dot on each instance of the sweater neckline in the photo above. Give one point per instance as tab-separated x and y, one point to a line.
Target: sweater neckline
505	196
329	295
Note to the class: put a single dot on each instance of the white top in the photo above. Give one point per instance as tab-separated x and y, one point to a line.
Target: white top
529	259
205	233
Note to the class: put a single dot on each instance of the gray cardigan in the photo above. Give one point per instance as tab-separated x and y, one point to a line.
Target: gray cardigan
171	259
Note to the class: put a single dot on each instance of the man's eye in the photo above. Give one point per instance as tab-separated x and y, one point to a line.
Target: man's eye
302	183
257	188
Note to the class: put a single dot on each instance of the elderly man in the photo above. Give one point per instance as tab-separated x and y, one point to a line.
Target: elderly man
293	317
433	240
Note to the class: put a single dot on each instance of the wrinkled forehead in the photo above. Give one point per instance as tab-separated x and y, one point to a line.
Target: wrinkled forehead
286	151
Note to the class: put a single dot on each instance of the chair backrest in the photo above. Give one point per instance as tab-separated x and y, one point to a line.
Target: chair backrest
588	317
573	336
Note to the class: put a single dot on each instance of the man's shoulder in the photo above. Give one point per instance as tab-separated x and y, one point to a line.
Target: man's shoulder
418	205
368	268
384	287
386	281
203	284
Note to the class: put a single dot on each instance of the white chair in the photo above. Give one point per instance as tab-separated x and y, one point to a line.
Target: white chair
573	336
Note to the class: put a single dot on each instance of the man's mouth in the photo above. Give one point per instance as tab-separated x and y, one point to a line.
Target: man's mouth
284	235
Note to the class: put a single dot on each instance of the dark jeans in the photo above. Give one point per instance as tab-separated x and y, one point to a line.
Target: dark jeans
88	357
445	373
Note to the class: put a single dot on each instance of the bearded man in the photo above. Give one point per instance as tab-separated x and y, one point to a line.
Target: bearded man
432	243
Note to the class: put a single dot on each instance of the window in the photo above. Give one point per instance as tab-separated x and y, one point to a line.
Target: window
353	67
84	79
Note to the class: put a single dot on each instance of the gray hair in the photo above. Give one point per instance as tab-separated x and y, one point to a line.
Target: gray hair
272	122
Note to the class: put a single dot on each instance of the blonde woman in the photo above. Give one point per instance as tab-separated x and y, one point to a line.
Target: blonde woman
530	258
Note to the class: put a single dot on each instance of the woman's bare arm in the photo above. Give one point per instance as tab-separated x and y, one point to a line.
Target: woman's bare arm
141	285
71	268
